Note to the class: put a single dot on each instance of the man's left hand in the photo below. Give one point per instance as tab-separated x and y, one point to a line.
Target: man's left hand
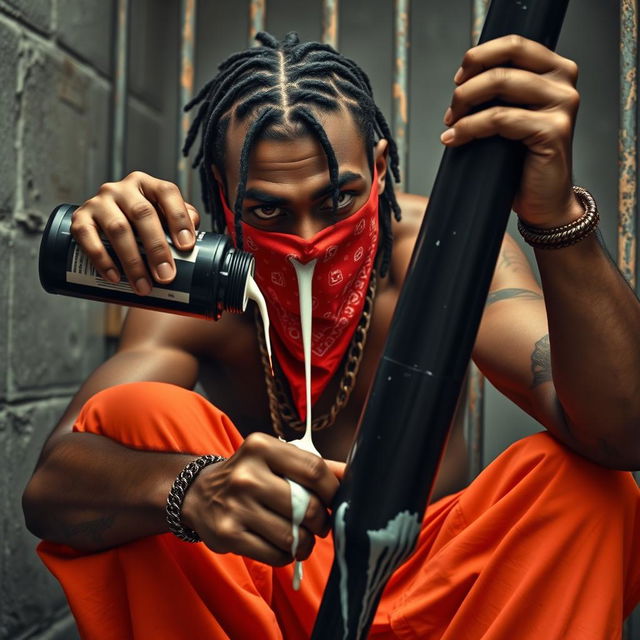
539	104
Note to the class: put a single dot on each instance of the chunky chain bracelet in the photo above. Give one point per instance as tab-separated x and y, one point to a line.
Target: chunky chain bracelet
568	234
176	496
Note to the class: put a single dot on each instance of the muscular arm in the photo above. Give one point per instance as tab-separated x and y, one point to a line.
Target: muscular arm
572	358
74	496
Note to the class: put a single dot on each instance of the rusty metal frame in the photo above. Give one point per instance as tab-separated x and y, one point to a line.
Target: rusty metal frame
627	141
188	9
400	94
330	17
257	19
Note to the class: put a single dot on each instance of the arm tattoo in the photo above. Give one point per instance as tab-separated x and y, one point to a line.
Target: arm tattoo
504	294
90	530
541	362
513	260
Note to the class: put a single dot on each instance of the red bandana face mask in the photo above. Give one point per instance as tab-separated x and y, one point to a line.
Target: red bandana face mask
344	254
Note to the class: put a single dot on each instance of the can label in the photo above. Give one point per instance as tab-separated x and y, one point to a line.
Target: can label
81	271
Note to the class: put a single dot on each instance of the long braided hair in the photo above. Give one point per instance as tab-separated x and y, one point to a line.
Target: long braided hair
286	83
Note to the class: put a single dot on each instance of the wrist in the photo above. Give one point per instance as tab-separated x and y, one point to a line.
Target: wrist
562	215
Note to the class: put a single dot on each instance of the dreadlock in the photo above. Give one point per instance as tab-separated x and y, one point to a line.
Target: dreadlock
286	83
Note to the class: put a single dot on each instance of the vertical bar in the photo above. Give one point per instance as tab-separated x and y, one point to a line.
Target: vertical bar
627	156
330	22
400	86
113	314
256	19
120	89
628	173
187	46
475	379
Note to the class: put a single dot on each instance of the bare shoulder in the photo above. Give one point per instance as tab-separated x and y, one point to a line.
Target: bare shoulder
202	339
405	233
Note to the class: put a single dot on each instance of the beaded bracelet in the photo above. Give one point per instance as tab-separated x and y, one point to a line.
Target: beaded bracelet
568	234
176	496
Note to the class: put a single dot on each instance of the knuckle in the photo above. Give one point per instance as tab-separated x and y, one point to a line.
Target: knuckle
156	248
256	442
573	98
573	70
315	468
116	227
140	210
500	76
132	263
167	188
107	188
226	527
242	479
516	42
562	123
469	58
137	176
498	115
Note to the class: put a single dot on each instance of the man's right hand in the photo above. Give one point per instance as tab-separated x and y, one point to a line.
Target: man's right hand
138	206
243	505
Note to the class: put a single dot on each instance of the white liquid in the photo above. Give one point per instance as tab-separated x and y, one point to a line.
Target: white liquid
254	293
299	495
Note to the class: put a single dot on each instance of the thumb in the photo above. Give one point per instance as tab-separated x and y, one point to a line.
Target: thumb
336	467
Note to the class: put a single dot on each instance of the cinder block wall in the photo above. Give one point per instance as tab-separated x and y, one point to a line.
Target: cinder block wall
56	74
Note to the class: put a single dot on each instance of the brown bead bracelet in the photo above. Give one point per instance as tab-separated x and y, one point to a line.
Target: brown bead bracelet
568	234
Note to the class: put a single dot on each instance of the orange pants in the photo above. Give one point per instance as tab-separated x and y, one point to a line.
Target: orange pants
542	545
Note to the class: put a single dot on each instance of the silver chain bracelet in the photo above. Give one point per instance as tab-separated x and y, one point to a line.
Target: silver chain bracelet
176	496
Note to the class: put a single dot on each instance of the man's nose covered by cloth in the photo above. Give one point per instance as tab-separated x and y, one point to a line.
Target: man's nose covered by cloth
345	254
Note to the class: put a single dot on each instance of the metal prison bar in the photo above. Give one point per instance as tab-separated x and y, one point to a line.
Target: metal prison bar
627	189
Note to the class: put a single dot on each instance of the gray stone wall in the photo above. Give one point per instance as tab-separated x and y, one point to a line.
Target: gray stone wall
55	116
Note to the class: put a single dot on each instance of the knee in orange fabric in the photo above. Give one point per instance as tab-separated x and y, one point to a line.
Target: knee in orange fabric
158	416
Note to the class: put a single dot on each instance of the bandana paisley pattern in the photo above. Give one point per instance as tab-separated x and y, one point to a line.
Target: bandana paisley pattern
345	254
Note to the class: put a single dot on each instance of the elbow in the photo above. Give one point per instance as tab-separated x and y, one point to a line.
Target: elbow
32	509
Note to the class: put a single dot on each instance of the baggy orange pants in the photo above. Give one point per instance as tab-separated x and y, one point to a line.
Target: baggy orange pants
542	545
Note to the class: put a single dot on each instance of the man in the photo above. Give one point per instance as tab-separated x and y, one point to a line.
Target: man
293	148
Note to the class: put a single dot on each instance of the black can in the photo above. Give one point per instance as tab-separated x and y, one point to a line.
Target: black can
211	278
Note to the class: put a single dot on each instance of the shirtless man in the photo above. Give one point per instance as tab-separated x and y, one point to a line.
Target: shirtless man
93	494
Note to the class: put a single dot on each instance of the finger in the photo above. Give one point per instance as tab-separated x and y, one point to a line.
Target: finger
148	229
513	86
168	197
194	215
517	51
233	538
278	532
534	128
118	231
337	468
86	234
303	467
253	484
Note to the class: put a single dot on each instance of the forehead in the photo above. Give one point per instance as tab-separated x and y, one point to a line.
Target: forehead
298	160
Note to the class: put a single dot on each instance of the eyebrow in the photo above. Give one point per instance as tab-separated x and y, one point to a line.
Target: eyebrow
275	201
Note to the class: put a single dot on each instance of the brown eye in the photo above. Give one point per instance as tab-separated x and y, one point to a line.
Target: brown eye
266	213
345	198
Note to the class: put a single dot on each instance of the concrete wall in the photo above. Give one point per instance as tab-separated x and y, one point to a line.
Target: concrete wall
55	92
55	111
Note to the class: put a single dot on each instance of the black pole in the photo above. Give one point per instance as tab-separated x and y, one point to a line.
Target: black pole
405	423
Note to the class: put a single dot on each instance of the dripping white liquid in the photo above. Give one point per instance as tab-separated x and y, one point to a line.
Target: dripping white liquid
254	293
299	495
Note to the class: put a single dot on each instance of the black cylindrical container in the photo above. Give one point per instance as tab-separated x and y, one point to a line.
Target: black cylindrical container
211	278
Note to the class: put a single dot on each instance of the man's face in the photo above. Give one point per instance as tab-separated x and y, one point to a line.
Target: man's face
288	185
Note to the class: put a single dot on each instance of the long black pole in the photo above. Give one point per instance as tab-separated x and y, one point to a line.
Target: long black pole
405	423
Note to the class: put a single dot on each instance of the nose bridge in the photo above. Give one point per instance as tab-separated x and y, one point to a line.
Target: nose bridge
307	224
